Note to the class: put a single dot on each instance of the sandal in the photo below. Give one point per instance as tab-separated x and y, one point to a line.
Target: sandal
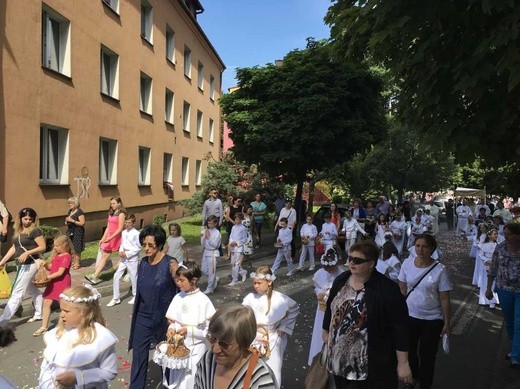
76	266
40	331
33	319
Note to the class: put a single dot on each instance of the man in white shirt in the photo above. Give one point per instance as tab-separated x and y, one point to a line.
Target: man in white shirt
506	215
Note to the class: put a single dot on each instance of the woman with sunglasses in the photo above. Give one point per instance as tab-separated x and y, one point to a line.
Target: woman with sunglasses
28	244
231	331
426	285
366	325
155	290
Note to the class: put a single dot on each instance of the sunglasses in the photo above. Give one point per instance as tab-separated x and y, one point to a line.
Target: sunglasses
223	345
357	260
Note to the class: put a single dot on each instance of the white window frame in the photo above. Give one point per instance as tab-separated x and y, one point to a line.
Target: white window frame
147	21
186	116
145	95
212	88
185	171
144	166
200	121
167	167
187	62
198	172
56	39
112	4
169	103
211	131
54	155
109	72
170	44
200	76
107	161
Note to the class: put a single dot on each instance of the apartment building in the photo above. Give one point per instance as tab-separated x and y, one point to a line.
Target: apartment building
105	98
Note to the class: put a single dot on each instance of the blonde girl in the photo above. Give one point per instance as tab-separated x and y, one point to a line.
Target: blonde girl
28	244
111	239
80	351
59	277
275	315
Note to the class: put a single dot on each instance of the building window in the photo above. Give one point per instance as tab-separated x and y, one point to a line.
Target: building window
211	131
113	4
199	124
187	62
200	76
55	41
54	155
185	171
167	168
107	161
146	94
109	73
186	116
198	173
147	21
168	106
212	88
170	44
144	166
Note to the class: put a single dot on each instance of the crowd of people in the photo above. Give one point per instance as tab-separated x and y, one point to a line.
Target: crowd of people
379	320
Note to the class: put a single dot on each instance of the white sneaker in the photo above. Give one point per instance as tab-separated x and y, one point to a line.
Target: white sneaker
299	268
311	268
290	274
208	291
492	306
132	301
113	302
244	275
232	283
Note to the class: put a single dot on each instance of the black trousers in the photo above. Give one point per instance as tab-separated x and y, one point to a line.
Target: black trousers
425	337
343	383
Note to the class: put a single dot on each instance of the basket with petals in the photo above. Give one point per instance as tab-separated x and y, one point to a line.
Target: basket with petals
40	279
172	353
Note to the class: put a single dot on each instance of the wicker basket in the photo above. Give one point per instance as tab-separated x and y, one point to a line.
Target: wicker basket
40	278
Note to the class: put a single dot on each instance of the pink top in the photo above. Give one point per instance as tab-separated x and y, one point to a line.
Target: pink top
58	285
113	225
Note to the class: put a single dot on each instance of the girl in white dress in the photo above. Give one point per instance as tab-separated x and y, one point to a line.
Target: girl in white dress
80	352
188	314
323	280
381	229
474	253
398	230
275	315
486	250
389	265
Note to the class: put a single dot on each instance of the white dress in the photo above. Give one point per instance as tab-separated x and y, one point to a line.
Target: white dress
192	310
381	229
398	229
485	254
322	283
95	364
389	268
281	317
474	253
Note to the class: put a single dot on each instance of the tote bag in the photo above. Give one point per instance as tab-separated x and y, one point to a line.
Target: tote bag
5	285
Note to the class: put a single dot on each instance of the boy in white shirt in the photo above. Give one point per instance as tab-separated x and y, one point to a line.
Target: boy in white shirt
284	251
329	233
210	241
308	234
237	240
129	254
351	227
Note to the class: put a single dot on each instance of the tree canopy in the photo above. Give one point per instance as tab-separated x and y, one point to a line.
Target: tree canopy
455	64
312	111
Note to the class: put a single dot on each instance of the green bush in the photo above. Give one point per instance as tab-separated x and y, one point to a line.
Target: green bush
158	220
49	232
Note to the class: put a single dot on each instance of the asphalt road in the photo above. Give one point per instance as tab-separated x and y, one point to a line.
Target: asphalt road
478	344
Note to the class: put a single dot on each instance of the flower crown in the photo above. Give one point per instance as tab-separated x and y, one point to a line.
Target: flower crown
93	297
261	276
329	259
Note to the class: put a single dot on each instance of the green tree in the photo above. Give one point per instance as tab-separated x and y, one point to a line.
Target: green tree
313	111
455	64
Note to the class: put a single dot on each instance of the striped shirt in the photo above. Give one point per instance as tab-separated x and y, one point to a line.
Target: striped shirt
262	377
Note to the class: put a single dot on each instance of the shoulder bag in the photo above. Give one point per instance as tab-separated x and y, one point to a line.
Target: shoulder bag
318	376
250	368
420	279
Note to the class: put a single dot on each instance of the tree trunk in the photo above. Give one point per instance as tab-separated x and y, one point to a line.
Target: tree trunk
310	206
298	200
400	193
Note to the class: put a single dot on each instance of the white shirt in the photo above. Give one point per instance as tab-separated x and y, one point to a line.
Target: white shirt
310	231
290	214
130	244
329	231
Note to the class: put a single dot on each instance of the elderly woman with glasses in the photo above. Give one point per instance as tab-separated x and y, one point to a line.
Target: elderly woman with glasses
366	325
155	290
229	363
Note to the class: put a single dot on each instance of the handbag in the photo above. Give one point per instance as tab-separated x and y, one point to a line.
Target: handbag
5	284
318	376
250	368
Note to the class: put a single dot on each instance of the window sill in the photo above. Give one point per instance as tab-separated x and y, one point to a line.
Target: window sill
144	185
201	90
212	99
146	41
169	124
185	185
114	99
111	9
172	63
146	114
106	184
188	78
57	73
47	183
186	131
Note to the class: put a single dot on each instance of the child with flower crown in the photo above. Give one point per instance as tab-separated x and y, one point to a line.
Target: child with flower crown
80	351
323	280
275	315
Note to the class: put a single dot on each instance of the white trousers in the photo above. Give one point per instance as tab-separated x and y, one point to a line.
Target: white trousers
131	266
283	252
24	284
236	266
310	250
209	267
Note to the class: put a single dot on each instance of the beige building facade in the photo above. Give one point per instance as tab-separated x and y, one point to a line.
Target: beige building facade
105	98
